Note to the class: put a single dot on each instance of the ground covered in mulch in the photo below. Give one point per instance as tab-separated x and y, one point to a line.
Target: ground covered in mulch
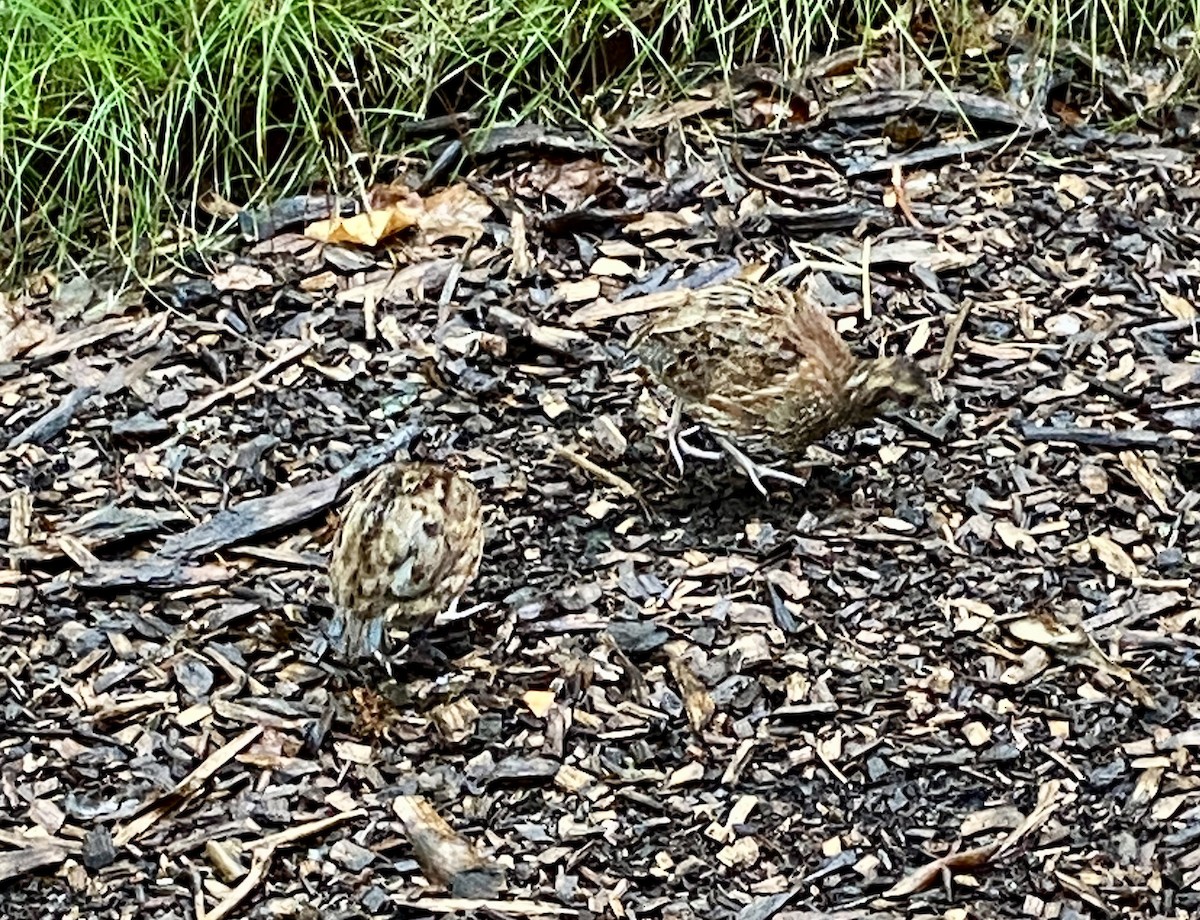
954	676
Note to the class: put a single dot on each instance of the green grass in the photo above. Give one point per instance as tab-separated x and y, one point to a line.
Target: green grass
116	114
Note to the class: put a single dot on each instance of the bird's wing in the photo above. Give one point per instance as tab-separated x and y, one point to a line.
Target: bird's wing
429	537
747	357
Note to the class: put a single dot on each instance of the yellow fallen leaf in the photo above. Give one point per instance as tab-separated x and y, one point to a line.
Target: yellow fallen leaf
540	702
366	229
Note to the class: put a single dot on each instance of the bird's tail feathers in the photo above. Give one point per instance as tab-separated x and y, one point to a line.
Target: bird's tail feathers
354	636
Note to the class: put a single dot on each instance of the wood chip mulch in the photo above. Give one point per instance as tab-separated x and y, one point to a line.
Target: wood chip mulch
953	677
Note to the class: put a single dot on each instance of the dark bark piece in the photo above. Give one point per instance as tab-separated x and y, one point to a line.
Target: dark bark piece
453	123
22	862
141	425
266	222
55	421
1188	419
531	136
254	517
889	103
154	572
834	217
98	849
768	907
112	523
1134	438
521	769
931	156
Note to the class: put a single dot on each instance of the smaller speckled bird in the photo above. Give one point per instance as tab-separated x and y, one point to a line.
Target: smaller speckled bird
409	545
763	366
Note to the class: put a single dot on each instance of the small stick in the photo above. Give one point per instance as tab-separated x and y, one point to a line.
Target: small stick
197	893
621	485
1130	438
186	789
866	277
902	200
242	385
956	325
264	851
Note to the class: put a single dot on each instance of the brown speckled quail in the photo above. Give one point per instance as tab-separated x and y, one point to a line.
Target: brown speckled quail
409	545
765	367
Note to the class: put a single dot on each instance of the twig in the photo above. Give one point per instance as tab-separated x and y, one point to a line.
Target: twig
185	789
242	385
1095	437
197	893
952	334
929	156
621	485
866	277
470	905
902	200
788	191
264	851
258	871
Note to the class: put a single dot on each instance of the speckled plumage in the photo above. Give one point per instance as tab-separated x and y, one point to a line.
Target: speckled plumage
410	542
765	366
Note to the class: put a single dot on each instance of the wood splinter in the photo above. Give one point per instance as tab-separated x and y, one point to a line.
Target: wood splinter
446	858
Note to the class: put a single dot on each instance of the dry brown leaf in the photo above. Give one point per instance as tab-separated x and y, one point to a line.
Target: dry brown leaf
1075	187
678	111
1146	787
242	278
446	858
522	262
1045	631
1093	478
1052	795
1033	662
457	212
1015	538
697	701
656	223
587	289
571	183
986	819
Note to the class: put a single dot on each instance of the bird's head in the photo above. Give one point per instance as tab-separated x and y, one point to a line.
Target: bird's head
897	380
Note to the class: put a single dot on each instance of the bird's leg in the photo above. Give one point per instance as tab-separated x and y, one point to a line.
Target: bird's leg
756	471
676	443
691	451
673	425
